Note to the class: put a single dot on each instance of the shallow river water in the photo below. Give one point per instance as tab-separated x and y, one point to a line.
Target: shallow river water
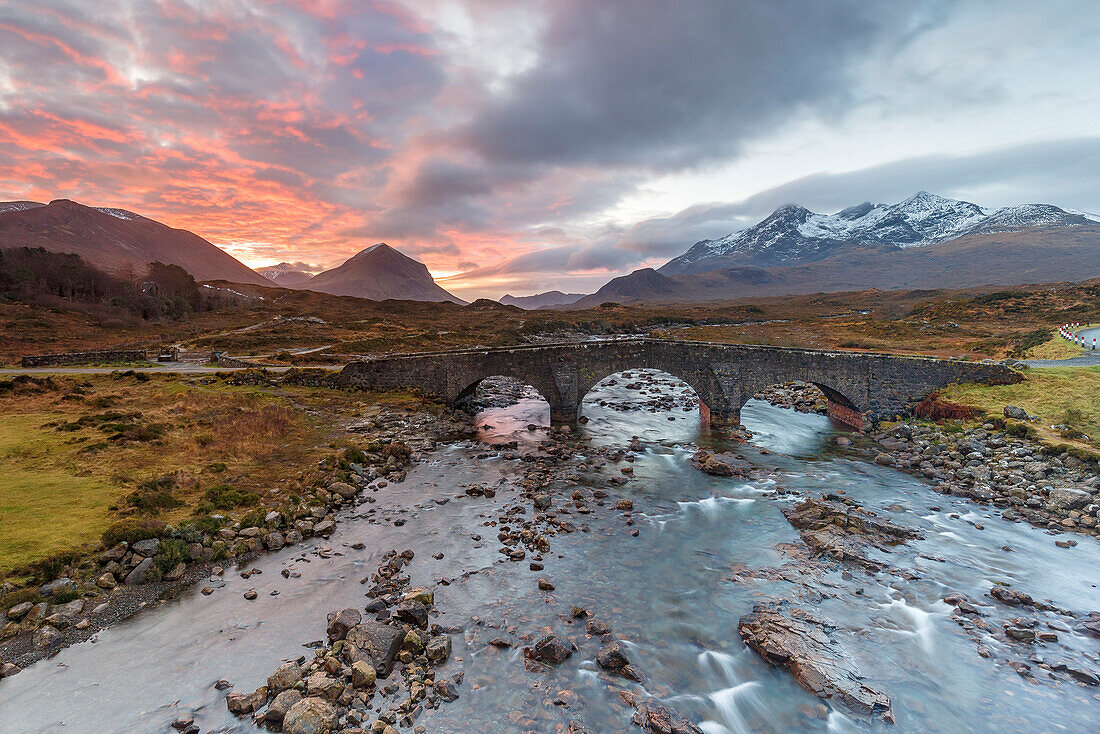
673	594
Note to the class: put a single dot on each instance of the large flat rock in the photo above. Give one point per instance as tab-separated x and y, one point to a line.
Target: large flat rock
800	642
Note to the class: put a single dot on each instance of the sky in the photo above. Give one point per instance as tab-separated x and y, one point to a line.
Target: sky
547	144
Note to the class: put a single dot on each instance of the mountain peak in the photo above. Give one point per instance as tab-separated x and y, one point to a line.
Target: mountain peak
794	235
380	272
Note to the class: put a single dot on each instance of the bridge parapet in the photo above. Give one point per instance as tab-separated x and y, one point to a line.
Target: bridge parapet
859	385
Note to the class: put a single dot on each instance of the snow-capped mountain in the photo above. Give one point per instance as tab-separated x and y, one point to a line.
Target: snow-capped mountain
18	206
289	275
793	234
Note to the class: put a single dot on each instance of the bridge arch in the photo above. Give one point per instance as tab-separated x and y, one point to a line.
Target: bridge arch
724	376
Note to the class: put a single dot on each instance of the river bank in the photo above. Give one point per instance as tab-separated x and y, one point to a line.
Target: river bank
597	579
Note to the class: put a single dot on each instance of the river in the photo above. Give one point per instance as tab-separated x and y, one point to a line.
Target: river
673	594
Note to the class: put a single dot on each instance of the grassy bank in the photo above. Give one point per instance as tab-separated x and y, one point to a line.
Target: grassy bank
1067	396
83	456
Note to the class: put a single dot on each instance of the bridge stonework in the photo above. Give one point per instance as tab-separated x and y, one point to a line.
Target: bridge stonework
858	385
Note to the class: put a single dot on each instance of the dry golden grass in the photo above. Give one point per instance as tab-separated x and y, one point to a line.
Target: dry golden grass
69	473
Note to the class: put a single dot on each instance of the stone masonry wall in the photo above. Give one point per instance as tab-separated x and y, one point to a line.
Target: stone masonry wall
724	376
72	358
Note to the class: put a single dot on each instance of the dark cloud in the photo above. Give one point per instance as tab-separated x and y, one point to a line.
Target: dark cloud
666	85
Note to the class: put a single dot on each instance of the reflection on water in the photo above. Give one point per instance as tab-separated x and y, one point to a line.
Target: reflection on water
674	594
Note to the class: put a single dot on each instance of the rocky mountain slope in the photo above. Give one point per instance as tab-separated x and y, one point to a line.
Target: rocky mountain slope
380	272
1033	255
541	300
117	240
794	235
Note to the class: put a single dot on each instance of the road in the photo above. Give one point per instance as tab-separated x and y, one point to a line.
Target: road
1088	358
165	367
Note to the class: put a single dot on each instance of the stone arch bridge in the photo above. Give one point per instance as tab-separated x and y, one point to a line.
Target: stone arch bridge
858	385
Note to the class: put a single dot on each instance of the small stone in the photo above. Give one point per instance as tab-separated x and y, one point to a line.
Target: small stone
438	649
611	656
250	594
362	674
545	585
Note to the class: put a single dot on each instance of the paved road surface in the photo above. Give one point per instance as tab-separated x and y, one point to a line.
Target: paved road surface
166	367
1088	357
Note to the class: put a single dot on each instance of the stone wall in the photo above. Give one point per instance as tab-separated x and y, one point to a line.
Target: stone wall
73	358
724	376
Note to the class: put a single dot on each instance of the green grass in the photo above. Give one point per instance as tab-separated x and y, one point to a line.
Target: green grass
1069	395
45	507
1055	348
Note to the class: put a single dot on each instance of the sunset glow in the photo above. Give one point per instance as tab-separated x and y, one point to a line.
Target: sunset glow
537	146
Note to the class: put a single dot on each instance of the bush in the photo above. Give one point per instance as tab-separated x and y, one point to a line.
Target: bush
254	519
1020	430
19	596
154	495
935	408
65	596
50	568
131	531
171	553
226	497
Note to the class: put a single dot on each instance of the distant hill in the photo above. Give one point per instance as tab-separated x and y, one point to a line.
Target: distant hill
794	235
541	300
116	240
1034	255
288	275
380	272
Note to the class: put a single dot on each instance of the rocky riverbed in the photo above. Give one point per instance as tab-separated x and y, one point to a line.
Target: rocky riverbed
631	572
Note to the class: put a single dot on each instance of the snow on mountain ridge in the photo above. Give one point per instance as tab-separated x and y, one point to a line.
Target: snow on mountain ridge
793	234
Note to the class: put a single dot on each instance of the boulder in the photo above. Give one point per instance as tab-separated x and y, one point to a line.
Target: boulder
552	649
116	553
310	715
723	465
147	547
343	489
50	589
446	689
280	705
141	573
611	656
20	610
845	531
1015	413
321	685
1064	498
285	676
413	612
374	643
340	622
47	638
